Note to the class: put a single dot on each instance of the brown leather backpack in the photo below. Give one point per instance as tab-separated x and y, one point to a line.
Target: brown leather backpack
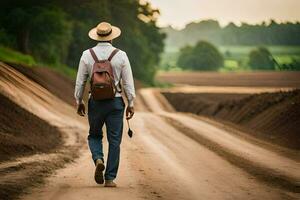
102	79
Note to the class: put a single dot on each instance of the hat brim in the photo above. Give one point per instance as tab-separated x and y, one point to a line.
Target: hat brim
116	32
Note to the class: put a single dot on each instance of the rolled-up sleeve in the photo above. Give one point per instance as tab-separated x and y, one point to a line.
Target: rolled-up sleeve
82	76
127	80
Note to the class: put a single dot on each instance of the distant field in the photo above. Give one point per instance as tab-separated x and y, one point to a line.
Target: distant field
236	57
246	79
275	50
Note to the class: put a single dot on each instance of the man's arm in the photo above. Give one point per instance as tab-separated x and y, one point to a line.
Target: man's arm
128	84
82	76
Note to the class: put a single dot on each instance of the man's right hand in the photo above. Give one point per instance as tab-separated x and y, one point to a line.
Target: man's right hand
129	112
81	109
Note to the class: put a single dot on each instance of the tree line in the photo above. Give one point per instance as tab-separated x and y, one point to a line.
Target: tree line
204	56
272	33
55	32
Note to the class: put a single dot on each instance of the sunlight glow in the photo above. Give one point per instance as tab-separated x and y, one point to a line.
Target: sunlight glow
177	13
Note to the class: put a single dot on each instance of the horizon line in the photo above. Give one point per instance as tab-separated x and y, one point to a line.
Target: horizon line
238	24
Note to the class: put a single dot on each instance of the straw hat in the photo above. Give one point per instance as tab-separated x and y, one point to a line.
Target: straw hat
104	32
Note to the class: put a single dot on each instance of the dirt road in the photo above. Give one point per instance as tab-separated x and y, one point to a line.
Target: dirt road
171	156
161	162
160	166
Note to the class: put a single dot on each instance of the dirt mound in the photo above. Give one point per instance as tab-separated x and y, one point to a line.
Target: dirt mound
33	121
23	133
271	116
56	83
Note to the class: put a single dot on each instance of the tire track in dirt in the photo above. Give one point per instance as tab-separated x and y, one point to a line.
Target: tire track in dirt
263	173
279	171
189	169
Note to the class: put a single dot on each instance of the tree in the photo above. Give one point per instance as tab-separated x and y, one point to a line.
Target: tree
204	56
38	28
55	32
261	58
267	33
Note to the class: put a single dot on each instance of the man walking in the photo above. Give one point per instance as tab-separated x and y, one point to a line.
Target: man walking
108	111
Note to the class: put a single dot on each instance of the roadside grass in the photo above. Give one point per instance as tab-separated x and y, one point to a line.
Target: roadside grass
160	84
61	68
13	56
9	55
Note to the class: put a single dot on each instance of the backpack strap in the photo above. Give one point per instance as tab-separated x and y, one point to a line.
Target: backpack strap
120	87
113	53
94	55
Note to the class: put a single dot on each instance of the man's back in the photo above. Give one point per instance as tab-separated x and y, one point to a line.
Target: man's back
121	70
102	51
108	111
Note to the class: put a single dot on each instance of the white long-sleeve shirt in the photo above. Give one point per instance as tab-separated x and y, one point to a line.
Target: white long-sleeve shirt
121	69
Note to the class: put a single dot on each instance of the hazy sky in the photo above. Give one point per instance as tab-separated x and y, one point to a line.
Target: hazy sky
179	12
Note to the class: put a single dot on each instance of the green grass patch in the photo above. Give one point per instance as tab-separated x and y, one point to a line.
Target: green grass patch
9	55
286	59
230	65
160	84
240	52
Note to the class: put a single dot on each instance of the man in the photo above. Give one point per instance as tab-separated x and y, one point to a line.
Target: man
109	111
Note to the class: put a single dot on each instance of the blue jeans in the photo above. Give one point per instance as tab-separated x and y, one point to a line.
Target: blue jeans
111	113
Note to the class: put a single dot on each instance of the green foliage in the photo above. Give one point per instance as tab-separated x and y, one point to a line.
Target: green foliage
39	29
231	65
51	35
55	32
5	39
237	58
204	56
169	61
209	30
261	59
10	55
293	66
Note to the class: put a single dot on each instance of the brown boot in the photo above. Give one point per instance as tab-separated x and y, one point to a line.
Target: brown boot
110	183
99	171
